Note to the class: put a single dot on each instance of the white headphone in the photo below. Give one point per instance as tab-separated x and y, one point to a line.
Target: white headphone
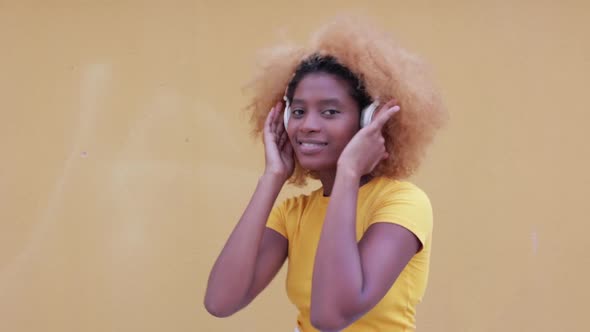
366	113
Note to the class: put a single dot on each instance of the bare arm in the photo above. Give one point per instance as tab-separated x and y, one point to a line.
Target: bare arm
350	278
253	253
251	256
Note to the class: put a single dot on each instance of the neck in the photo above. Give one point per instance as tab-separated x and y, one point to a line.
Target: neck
328	177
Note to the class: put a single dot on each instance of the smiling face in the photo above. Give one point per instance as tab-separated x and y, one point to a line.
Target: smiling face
324	118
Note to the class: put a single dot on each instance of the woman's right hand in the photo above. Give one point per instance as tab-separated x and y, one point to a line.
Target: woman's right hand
277	147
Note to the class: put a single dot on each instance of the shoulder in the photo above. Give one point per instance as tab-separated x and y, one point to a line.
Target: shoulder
387	188
402	203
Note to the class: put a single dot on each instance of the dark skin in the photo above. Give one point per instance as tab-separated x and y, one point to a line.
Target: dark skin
349	278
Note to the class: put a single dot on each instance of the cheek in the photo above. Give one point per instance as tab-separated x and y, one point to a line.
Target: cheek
344	136
291	134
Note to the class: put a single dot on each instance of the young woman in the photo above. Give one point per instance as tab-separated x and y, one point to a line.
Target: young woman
358	247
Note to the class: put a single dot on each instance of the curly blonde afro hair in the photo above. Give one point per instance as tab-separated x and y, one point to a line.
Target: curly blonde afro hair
385	69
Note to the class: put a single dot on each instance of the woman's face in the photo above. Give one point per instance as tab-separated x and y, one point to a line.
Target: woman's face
324	118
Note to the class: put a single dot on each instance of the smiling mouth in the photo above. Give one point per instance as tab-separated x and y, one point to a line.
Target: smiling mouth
310	147
311	144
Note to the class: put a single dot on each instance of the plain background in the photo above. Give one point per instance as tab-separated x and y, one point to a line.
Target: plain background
126	159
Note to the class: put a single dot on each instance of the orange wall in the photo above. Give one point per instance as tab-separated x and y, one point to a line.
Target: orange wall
126	159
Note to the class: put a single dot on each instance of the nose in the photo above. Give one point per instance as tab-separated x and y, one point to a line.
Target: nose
310	123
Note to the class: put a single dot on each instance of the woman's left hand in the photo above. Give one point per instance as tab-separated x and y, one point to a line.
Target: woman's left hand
367	148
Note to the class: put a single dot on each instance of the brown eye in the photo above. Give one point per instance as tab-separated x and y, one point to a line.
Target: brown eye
330	112
297	113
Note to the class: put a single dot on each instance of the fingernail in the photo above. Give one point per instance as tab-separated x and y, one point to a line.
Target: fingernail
395	108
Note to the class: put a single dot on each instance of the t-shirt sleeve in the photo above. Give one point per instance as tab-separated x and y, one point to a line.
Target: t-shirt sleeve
408	207
277	219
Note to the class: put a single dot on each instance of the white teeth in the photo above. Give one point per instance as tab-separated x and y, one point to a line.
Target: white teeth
311	144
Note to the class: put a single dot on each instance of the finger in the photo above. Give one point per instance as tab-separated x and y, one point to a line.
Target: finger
280	129
280	123
269	136
283	138
391	103
268	120
273	118
382	117
277	119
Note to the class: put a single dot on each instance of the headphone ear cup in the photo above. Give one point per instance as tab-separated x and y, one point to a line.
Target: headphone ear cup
367	114
286	111
286	115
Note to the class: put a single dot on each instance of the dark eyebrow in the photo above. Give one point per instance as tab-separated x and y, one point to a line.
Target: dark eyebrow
330	101
327	101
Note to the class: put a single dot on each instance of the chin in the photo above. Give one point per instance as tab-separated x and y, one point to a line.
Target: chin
317	164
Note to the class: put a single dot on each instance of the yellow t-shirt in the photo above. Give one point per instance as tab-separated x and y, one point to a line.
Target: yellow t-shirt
300	219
